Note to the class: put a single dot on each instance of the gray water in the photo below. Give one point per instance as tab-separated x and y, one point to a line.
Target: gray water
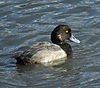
24	22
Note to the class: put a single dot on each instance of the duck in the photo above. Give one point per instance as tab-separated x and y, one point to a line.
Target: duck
49	53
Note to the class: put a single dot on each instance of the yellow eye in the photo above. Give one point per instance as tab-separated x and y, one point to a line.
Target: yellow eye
66	31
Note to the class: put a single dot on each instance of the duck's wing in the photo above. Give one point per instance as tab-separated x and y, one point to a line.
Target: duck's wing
26	56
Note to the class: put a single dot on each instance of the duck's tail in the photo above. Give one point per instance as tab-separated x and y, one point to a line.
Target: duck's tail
19	60
24	59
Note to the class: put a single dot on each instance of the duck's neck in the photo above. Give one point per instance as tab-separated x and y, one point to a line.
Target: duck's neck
66	47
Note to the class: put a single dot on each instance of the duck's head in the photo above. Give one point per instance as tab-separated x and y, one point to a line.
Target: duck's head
62	33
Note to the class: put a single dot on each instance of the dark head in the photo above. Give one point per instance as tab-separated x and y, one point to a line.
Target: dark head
62	33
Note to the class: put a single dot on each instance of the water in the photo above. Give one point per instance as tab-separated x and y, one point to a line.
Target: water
24	22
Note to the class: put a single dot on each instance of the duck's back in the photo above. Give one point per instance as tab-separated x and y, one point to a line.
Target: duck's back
44	53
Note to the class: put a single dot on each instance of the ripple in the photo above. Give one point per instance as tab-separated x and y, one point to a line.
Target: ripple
89	78
26	22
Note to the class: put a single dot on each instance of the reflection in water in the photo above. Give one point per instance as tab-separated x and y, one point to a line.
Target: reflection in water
23	23
40	75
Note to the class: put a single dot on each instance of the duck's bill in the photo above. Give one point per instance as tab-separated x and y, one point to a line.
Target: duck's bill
72	38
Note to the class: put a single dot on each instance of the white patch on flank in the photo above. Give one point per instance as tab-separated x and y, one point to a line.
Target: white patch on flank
48	53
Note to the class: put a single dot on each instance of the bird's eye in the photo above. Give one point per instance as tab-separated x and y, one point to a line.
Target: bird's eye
66	31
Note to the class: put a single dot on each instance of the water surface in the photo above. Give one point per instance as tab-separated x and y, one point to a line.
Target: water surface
23	23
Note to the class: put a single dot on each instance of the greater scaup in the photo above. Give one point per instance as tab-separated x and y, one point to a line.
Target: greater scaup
49	53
